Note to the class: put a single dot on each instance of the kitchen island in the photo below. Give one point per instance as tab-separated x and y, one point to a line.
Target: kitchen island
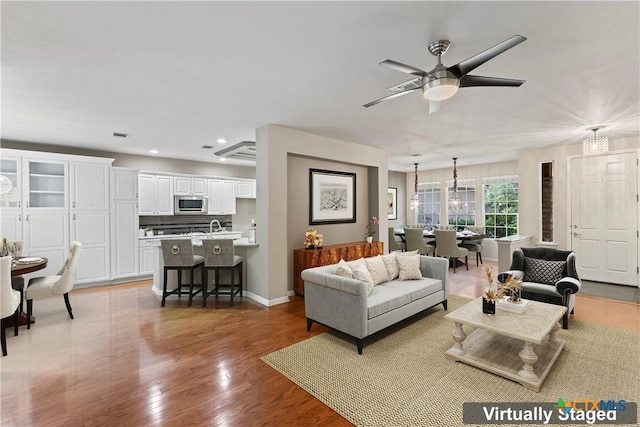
241	245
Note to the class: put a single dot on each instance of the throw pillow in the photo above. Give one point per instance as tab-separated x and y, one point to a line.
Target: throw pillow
409	267
355	263
344	270
377	269
407	253
391	264
361	273
542	271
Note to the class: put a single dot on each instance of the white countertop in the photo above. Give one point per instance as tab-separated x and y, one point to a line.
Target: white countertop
186	235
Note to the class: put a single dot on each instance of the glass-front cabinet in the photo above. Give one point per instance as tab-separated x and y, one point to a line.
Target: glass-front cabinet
47	184
10	197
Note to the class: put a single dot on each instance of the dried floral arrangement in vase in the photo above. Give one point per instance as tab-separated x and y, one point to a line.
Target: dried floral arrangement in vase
491	295
313	239
513	288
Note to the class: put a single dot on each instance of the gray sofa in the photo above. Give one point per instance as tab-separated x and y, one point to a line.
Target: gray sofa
343	304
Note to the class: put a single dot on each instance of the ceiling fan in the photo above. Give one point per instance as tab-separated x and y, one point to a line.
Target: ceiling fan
443	82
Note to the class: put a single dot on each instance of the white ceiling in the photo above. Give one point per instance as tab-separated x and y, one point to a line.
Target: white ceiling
177	76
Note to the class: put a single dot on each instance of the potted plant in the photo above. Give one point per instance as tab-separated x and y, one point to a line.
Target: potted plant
368	229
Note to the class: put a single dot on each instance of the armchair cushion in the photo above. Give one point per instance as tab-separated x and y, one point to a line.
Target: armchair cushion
543	271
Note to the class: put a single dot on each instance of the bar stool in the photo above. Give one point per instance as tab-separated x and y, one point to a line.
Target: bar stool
219	256
178	255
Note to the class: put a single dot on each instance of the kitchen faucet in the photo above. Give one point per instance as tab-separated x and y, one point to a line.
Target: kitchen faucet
211	225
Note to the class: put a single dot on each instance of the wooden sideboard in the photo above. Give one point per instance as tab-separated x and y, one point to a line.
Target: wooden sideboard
307	258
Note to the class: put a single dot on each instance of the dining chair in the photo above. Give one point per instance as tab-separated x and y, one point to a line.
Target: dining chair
414	239
59	284
9	301
474	245
219	256
447	247
17	283
178	255
394	243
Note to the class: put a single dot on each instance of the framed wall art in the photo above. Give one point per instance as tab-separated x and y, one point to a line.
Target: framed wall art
392	203
332	197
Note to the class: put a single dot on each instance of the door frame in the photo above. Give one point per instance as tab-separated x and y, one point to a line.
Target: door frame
569	204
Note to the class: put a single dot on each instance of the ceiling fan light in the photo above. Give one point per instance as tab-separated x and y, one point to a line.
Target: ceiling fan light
440	89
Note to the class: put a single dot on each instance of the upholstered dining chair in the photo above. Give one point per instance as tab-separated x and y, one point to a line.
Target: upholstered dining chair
474	245
394	243
60	284
219	257
17	282
178	255
447	246
415	241
9	301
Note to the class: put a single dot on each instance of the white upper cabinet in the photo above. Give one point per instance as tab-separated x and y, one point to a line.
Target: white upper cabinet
222	197
10	183
186	186
124	184
155	194
45	184
89	185
246	188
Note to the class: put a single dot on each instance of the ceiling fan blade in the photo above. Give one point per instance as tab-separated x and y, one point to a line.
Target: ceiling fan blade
386	98
469	81
404	68
469	64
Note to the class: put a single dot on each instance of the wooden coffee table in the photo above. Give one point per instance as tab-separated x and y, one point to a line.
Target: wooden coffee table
520	347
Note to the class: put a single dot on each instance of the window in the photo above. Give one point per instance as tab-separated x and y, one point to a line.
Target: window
501	206
547	201
465	214
429	209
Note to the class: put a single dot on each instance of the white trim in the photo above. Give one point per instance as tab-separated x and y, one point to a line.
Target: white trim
266	302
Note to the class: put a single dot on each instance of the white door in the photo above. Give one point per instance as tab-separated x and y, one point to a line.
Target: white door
124	238
604	217
89	186
124	184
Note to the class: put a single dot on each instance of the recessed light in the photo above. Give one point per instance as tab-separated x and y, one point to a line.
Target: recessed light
154	151
221	141
223	159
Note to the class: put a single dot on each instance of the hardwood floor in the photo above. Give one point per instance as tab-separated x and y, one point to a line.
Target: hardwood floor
125	361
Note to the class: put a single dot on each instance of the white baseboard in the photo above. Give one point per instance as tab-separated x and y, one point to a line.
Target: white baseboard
267	302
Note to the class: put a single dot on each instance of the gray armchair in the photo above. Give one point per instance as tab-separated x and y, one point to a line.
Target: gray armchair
548	275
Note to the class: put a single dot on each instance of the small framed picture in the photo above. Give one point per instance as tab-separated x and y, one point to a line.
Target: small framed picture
392	203
332	197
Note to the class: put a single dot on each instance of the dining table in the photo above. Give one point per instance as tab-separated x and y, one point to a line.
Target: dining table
460	235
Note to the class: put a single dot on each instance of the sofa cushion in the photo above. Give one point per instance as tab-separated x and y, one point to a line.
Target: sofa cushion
409	267
362	273
377	268
384	299
391	264
418	288
543	271
355	263
344	270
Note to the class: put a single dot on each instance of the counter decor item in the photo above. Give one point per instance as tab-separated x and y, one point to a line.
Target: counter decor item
313	239
252	231
368	229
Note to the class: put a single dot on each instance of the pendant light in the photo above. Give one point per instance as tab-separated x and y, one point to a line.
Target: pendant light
415	199
596	144
455	202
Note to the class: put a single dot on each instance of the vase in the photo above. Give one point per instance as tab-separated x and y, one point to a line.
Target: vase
311	247
488	306
369	239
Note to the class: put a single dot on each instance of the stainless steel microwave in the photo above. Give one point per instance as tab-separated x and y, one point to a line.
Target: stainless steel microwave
189	205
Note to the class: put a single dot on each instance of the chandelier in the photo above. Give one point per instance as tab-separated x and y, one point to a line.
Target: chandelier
415	199
455	202
596	144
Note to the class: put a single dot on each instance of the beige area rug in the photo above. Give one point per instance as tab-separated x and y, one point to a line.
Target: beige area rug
403	378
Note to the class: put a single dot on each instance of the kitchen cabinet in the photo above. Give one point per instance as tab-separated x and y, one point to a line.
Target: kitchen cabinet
155	194
46	184
222	197
189	186
92	230
246	188
89	186
147	251
125	252
11	224
46	234
10	183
